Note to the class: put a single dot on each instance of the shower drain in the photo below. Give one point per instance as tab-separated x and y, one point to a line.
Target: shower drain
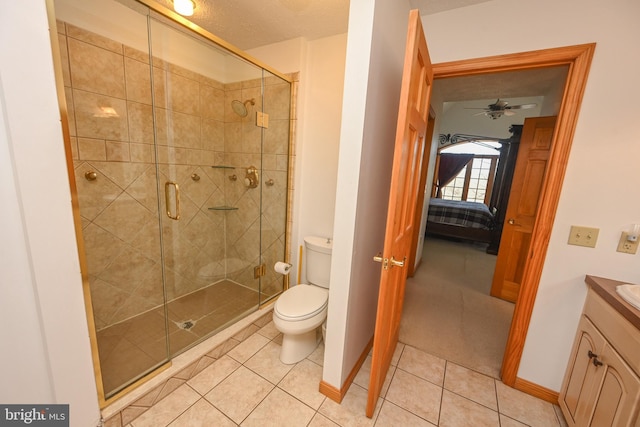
186	325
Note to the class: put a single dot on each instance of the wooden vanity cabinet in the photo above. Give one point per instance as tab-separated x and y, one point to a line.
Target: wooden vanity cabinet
602	386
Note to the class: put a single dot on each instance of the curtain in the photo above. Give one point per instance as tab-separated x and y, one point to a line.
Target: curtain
450	166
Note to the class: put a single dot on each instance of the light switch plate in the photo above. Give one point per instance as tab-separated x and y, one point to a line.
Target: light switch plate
583	236
262	119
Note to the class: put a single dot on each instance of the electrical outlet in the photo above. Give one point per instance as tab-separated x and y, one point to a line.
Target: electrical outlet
627	246
583	236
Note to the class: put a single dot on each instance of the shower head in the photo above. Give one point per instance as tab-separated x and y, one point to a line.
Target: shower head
240	108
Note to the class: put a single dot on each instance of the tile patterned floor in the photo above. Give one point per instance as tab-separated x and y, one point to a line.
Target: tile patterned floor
249	386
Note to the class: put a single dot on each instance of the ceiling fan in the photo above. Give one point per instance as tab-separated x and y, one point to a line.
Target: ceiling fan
499	108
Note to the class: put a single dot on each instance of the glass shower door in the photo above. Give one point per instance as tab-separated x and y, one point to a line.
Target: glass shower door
209	163
275	185
106	73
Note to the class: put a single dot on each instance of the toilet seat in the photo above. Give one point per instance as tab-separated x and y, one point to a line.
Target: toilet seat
301	302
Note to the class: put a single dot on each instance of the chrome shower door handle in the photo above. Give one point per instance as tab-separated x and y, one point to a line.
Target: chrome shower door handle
167	199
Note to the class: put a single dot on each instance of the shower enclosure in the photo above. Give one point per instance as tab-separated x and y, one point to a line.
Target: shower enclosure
180	155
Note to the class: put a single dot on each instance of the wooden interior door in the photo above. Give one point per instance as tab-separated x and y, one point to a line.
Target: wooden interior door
528	179
417	80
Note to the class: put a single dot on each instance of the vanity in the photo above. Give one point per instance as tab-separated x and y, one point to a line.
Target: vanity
601	386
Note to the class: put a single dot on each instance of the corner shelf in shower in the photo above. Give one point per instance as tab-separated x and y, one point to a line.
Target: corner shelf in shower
222	167
223	208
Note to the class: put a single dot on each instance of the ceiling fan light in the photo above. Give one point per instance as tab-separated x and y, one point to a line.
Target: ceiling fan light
184	7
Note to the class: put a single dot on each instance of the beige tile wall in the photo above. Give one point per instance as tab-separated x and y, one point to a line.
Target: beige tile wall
109	101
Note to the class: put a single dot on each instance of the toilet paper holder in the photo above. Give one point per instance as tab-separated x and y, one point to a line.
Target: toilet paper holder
282	267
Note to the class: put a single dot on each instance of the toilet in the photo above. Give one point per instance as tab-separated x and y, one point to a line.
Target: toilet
302	309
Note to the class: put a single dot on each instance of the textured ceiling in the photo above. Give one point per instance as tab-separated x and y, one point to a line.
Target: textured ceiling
547	82
247	24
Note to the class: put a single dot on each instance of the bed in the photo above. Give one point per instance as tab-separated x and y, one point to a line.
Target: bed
460	219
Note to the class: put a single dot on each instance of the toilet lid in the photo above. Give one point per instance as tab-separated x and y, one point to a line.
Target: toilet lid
301	302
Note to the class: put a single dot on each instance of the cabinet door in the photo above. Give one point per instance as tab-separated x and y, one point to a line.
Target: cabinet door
617	401
582	378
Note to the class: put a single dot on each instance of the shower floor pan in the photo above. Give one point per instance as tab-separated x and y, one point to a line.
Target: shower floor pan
132	348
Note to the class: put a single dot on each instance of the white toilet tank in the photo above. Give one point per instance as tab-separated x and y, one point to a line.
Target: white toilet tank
318	260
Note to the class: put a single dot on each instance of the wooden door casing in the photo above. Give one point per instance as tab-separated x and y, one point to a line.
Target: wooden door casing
578	61
413	111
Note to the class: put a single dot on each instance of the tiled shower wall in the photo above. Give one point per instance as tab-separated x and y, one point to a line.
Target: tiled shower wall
109	101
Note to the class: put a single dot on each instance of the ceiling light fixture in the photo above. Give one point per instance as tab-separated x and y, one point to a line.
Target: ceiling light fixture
184	7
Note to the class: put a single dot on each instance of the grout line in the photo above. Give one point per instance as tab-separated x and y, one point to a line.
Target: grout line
444	375
383	400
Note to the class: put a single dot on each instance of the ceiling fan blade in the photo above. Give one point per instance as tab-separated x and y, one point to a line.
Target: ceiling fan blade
509	113
522	107
499	105
480	113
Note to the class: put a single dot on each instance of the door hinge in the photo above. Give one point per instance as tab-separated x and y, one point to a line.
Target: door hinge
259	271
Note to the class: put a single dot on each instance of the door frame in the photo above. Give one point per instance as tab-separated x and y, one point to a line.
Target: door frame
578	59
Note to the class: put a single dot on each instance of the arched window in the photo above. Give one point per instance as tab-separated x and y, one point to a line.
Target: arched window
474	180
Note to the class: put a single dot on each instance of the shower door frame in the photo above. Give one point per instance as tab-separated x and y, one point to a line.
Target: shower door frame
64	116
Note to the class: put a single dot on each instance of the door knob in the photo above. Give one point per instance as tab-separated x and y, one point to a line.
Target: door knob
512	221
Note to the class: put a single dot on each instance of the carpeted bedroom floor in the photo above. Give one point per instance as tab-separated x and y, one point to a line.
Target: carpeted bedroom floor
448	311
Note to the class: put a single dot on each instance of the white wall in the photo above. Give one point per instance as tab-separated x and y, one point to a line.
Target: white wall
602	167
18	302
373	73
286	57
320	114
46	355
